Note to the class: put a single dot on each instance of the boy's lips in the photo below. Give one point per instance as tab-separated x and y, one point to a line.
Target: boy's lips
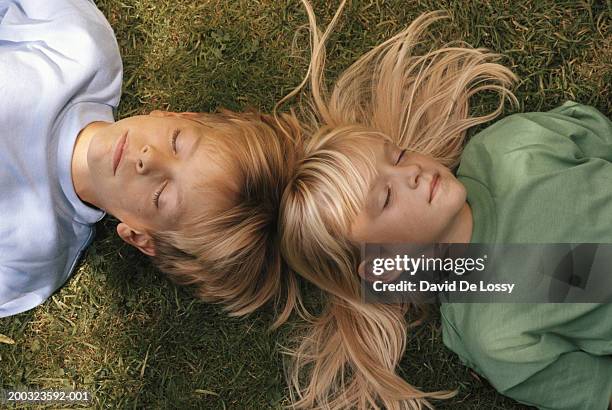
433	186
118	151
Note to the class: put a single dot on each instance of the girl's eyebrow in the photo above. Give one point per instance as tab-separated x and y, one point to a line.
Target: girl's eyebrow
372	206
388	151
373	198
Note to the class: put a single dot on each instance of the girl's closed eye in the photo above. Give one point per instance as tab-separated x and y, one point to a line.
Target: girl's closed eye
389	192
401	155
388	197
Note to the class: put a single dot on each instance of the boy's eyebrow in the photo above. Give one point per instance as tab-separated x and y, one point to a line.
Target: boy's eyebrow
175	213
194	146
179	211
178	208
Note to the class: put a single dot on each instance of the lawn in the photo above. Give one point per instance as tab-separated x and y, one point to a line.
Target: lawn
121	331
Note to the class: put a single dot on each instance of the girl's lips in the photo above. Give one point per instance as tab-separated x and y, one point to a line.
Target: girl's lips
118	152
433	187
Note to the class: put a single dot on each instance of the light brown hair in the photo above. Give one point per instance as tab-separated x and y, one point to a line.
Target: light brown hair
230	252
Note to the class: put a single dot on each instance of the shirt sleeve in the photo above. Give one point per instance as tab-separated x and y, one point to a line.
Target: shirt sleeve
575	380
552	356
12	301
585	126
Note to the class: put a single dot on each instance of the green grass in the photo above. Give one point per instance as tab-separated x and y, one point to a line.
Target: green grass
118	328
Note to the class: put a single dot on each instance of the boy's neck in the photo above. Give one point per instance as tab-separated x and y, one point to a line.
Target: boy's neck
81	178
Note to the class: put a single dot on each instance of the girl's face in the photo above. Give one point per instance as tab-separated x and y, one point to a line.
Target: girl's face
412	199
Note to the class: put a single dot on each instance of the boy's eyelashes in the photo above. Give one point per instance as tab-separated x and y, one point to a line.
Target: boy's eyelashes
173	138
157	194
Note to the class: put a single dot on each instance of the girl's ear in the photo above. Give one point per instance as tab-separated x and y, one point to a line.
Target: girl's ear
141	240
367	271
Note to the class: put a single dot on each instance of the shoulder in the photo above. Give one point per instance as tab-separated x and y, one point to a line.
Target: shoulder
65	47
555	126
509	343
496	332
503	342
70	29
23	11
513	131
523	137
87	32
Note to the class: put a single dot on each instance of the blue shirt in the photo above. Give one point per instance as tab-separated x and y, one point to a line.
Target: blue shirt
60	69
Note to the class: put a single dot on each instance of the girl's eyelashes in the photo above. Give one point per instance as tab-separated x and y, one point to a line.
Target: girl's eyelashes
389	193
401	155
175	135
157	194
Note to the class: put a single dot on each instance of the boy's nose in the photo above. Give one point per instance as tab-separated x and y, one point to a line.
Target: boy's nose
149	160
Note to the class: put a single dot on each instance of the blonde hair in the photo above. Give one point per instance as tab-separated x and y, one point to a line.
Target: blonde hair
348	355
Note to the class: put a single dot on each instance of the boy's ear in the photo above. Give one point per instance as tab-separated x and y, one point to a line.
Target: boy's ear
141	240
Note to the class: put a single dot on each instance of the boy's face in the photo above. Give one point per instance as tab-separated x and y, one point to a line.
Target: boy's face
144	170
413	199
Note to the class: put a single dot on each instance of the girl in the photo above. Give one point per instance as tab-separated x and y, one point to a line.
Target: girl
378	167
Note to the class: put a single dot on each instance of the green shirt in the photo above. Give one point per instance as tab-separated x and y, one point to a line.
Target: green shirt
539	178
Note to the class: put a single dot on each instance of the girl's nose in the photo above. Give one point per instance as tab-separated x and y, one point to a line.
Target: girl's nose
412	174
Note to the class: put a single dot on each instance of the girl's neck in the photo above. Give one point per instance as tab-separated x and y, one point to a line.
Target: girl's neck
461	230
